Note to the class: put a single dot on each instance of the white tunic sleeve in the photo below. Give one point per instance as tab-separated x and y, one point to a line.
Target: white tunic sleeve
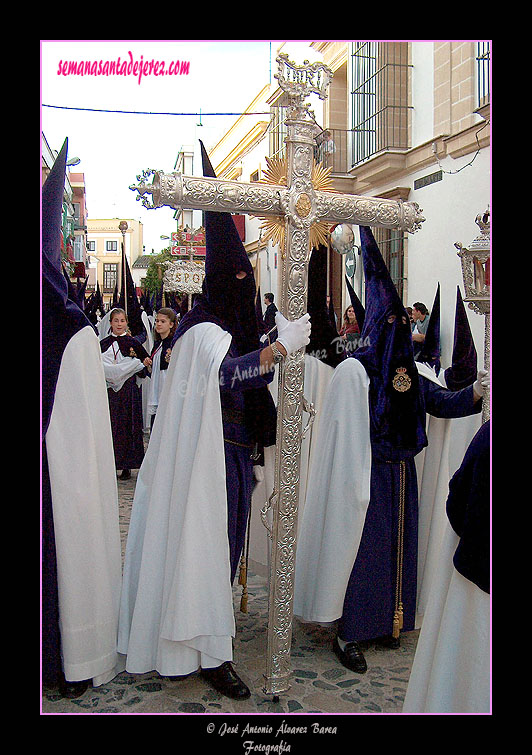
118	368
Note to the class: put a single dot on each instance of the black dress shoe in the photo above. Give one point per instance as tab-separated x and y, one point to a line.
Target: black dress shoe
352	657
71	690
224	679
388	641
126	474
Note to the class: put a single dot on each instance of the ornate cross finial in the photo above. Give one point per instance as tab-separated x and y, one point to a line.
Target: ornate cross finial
299	81
143	189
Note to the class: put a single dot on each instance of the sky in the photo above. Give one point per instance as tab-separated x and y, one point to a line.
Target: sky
222	76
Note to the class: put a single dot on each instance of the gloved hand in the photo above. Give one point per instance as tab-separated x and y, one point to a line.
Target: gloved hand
294	334
482	382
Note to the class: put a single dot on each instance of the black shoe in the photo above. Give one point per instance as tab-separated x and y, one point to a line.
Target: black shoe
225	679
388	641
126	474
352	657
71	690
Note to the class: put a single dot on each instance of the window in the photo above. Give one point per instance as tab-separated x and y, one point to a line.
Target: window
391	244
379	97
483	73
78	248
110	275
91	246
111	246
278	131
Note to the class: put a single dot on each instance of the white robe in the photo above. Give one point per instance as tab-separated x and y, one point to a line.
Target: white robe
432	470
104	326
317	378
117	367
435	466
177	608
145	382
463	430
79	448
451	669
337	497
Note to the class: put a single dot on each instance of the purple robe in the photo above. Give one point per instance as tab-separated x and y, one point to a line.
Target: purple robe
238	374
370	596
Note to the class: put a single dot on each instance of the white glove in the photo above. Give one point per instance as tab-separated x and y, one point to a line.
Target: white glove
482	382
294	334
258	473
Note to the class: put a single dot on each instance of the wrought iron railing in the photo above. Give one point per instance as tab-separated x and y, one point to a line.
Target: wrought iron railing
334	149
483	73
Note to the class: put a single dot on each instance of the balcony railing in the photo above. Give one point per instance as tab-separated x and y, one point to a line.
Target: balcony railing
334	149
337	150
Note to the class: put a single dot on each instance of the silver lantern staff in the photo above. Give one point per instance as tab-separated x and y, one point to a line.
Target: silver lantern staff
475	261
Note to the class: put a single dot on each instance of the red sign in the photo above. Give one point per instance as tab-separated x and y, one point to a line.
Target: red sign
184	251
195	237
179	240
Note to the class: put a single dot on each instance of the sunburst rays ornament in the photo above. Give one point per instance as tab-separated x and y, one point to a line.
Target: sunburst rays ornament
274	226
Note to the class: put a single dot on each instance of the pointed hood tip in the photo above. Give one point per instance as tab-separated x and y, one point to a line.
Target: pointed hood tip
52	207
463	369
208	170
356	304
381	292
431	349
221	234
226	299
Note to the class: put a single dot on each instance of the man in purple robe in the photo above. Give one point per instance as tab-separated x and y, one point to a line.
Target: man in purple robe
381	594
215	417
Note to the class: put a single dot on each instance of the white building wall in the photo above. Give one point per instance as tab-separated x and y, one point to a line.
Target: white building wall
449	206
422	92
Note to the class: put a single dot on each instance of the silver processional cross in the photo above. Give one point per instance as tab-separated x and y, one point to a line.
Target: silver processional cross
296	209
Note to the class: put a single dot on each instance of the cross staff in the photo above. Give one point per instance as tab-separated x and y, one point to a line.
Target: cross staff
300	207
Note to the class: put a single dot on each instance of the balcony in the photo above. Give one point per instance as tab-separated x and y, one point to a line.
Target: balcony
356	155
334	149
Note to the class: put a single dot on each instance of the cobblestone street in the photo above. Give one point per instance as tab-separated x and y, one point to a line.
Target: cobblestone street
320	684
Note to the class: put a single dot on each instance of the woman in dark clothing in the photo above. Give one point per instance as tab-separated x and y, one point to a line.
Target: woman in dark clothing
350	330
123	357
